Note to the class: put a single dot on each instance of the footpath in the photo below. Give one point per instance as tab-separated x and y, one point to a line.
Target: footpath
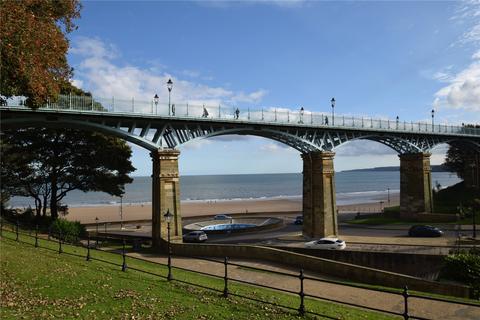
417	307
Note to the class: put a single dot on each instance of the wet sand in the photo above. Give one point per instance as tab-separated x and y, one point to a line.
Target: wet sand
133	212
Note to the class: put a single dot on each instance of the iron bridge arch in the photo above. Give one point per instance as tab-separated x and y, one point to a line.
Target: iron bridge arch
154	133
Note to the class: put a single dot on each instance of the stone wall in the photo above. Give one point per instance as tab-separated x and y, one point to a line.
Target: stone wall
324	266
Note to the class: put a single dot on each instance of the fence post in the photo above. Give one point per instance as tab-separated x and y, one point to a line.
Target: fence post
405	299
124	264
1	226
16	231
301	309
36	236
60	243
60	250
88	248
225	288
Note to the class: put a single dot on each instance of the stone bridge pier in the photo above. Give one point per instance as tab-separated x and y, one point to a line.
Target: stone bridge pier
165	195
319	207
415	183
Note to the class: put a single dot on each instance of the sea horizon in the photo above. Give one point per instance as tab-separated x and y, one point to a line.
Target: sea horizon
351	186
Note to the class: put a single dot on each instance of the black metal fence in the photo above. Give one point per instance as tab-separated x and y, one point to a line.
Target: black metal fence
225	292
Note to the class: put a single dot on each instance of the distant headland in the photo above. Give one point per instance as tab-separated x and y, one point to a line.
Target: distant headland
435	168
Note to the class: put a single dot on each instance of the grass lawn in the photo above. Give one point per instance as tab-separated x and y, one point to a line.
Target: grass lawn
40	283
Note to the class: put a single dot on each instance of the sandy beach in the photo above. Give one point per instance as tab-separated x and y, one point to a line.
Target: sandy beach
133	212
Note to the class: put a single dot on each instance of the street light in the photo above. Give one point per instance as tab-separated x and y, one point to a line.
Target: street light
155	100
169	87
398	119
121	212
433	116
168	218
96	222
333	111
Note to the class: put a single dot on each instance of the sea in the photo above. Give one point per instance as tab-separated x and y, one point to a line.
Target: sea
352	187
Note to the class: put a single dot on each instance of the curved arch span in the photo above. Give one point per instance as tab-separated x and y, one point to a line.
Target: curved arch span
87	126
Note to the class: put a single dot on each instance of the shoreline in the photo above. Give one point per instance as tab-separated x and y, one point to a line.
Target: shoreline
132	212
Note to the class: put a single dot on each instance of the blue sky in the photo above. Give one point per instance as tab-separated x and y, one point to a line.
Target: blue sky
379	59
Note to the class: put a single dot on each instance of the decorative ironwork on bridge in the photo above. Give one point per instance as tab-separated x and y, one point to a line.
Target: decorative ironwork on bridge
157	126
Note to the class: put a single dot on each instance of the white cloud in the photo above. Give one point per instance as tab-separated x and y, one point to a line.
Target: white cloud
196	144
468	13
276	147
356	148
99	73
463	90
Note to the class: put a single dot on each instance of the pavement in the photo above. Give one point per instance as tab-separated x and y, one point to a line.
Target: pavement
419	307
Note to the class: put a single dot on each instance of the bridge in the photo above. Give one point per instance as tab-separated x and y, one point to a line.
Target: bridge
162	128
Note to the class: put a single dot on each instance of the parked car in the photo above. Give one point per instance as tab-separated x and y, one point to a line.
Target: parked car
195	236
298	220
326	243
222	217
424	231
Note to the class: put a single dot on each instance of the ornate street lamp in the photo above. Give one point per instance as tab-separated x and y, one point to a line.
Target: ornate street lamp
169	87
433	116
333	110
155	100
96	222
168	218
121	212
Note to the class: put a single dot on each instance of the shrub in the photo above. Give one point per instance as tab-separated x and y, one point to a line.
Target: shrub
69	231
465	268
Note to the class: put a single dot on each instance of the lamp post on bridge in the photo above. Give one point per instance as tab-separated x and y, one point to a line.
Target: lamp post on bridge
155	100
168	218
333	110
169	87
433	123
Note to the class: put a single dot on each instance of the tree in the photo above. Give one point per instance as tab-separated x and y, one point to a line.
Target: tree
33	59
455	160
460	156
50	163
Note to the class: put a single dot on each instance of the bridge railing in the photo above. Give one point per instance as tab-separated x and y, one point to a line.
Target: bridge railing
269	115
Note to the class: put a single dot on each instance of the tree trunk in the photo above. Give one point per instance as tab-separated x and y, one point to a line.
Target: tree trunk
53	198
38	207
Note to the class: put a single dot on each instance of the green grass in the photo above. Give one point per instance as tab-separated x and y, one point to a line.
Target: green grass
39	283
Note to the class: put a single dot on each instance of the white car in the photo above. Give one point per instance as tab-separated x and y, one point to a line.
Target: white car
326	243
222	217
